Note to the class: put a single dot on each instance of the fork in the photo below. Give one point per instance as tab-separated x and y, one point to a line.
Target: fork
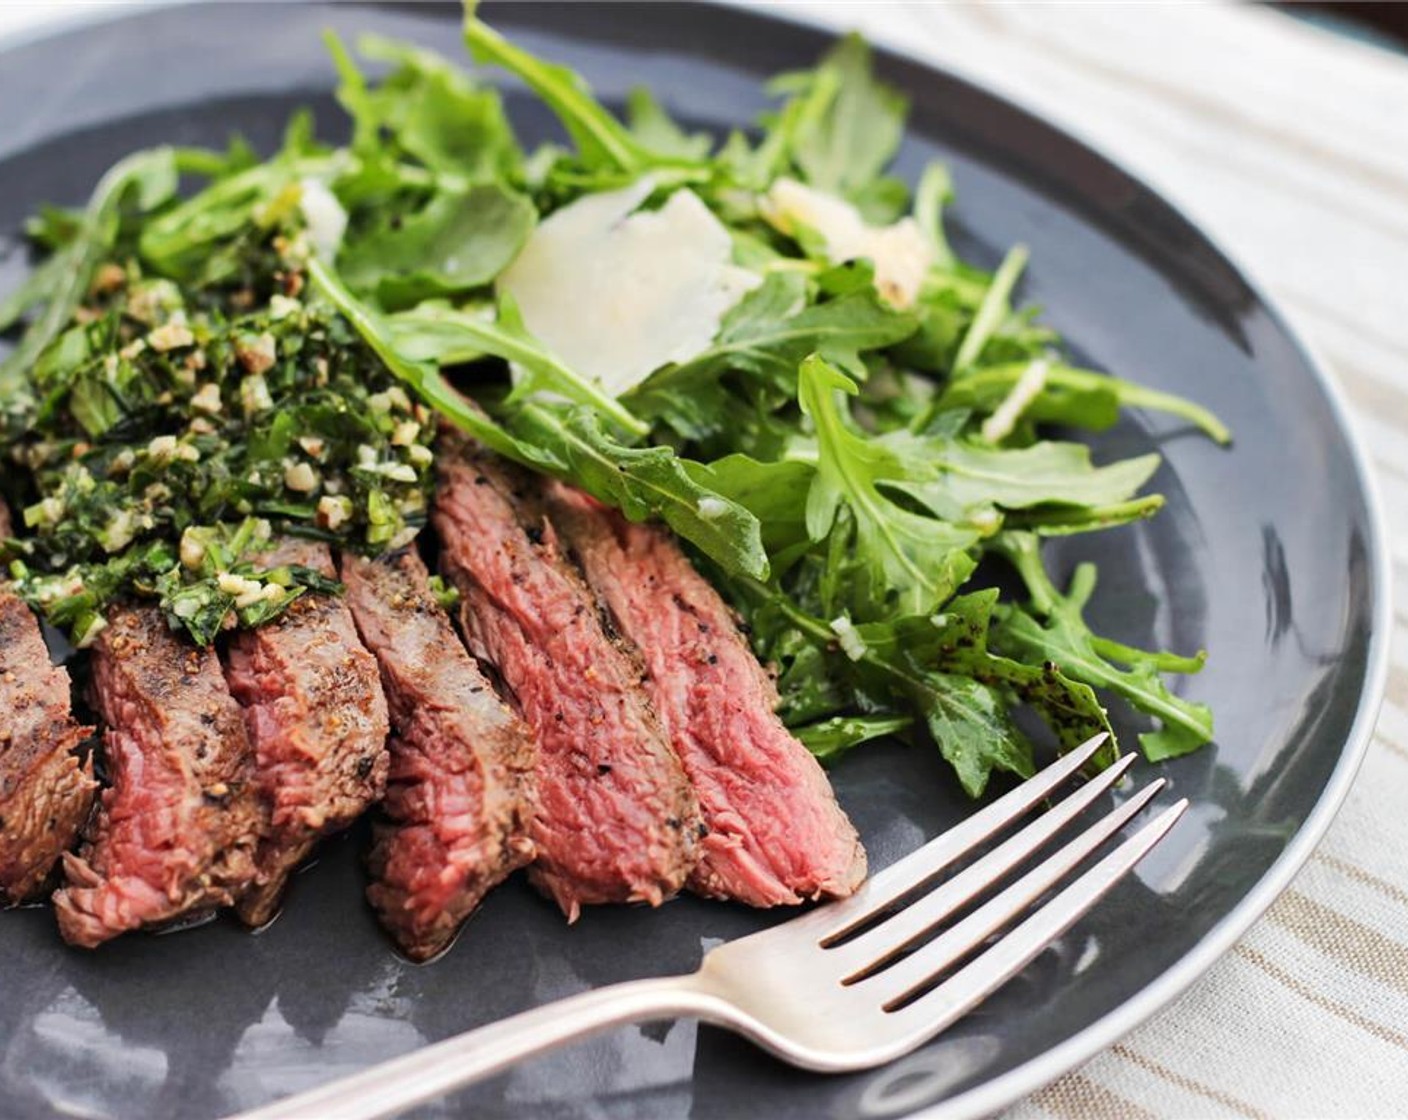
847	986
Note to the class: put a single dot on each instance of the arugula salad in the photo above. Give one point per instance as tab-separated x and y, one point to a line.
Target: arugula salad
763	340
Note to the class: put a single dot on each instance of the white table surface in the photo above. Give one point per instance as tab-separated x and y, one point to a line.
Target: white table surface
1290	146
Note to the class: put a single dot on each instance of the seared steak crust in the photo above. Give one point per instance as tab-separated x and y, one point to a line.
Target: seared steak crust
776	834
616	818
45	792
317	719
459	799
176	830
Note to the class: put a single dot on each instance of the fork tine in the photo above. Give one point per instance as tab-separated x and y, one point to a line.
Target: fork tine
887	939
885	887
958	995
953	944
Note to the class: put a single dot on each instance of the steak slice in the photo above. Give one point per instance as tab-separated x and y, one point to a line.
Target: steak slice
616	819
459	795
46	793
776	834
317	720
176	830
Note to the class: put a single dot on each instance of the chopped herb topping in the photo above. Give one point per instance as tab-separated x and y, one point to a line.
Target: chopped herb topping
174	430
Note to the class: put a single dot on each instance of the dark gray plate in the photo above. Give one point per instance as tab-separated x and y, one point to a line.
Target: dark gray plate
1268	555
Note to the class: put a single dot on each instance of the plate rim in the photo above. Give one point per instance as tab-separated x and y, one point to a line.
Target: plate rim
1011	1087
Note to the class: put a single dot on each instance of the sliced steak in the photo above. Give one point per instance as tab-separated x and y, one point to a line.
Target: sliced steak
46	793
317	719
776	834
616	818
176	830
458	802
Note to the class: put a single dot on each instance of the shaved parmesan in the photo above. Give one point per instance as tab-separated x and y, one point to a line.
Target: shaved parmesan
615	294
324	215
902	253
999	425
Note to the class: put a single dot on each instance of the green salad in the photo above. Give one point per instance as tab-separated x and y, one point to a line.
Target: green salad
763	340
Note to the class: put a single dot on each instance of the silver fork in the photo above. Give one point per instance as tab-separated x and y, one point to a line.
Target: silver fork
848	986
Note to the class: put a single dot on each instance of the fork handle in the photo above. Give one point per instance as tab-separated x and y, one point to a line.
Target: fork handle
391	1087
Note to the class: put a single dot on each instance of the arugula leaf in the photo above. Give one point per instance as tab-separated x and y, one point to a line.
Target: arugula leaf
849	125
33	292
53	227
460	240
1064	521
775	493
934	192
970	721
143	181
907	561
421	376
752	169
767	334
939	665
971	475
207	163
964	693
830	739
1080	397
1054	629
956	641
431	331
439	117
184	242
600	138
354	95
645	482
653	127
425	126
506	337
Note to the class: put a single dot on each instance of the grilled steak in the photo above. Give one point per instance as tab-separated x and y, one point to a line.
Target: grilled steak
776	835
176	830
458	801
45	792
317	720
616	818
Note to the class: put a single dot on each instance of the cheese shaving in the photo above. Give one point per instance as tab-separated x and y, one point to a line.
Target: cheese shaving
616	293
901	253
999	425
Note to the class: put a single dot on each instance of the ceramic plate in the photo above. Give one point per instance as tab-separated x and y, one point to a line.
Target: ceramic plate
1267	554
